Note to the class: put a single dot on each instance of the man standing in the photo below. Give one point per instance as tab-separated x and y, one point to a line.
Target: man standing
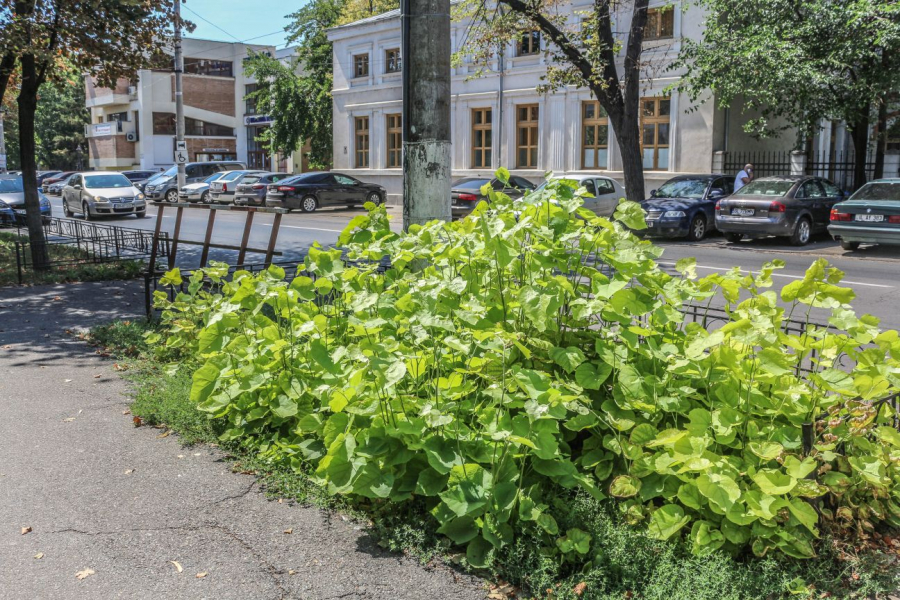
744	177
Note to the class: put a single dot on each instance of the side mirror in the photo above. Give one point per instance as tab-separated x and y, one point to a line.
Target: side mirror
716	193
76	186
653	193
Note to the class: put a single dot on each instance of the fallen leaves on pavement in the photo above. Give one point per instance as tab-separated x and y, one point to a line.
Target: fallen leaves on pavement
26	530
177	565
69	420
164	434
39	555
129	471
291	530
138	421
84	574
201	575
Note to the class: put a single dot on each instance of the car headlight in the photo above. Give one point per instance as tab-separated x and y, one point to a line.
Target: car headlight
44	203
139	197
673	213
100	199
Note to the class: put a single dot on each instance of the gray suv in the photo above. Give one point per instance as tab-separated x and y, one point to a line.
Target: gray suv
164	186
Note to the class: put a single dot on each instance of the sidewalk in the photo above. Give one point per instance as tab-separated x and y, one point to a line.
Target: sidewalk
100	494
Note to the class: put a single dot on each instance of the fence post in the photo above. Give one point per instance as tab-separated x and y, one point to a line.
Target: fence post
718	162
798	162
19	261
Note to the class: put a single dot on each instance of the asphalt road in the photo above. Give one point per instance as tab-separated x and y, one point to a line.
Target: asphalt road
873	272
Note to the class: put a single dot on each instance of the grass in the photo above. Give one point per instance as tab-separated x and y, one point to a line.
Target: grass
78	267
625	562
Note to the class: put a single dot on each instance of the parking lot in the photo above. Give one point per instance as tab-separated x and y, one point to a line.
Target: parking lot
873	271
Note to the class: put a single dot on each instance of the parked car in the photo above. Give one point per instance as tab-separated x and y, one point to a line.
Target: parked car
198	192
465	193
55	188
252	188
604	192
794	207
313	190
43	175
685	206
164	186
139	178
99	193
222	189
48	181
869	216
12	202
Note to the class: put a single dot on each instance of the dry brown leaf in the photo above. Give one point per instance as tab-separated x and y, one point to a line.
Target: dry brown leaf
201	575
126	412
138	421
39	555
7	347
129	471
57	298
177	565
291	530
280	500
579	588
97	376
164	434
291	572
180	455
119	367
84	574
26	530
69	420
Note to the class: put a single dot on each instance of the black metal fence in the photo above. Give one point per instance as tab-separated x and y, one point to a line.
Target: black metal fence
765	164
72	242
839	168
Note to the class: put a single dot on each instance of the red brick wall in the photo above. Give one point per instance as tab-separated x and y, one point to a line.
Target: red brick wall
110	146
209	93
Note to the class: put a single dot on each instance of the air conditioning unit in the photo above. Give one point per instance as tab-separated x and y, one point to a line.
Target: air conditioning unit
131	136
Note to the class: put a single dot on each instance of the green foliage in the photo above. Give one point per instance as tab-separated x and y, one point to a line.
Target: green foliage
495	368
354	10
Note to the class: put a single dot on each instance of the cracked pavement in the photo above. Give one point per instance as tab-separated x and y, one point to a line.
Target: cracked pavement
100	494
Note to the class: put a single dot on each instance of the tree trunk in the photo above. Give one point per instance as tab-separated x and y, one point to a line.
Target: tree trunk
628	137
860	136
881	140
27	102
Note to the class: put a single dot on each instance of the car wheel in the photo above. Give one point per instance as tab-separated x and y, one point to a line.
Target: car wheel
802	232
87	212
172	196
849	245
309	204
734	238
697	230
204	198
140	214
374	198
66	210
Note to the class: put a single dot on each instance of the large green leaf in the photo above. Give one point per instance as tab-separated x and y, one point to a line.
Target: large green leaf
774	482
666	521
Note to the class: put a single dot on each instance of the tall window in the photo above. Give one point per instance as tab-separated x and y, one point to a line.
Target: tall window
164	124
362	142
655	133
392	60
660	23
360	65
394	141
529	43
594	136
526	136
481	138
250	103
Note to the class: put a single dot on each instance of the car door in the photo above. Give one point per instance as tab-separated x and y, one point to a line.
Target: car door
348	190
607	198
329	190
815	200
833	195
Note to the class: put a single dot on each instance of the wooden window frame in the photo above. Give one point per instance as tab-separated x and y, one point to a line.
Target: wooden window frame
361	134
528	44
392	60
660	24
485	125
393	125
360	61
656	119
533	127
596	123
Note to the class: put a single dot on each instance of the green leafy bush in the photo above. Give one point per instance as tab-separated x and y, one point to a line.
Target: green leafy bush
498	361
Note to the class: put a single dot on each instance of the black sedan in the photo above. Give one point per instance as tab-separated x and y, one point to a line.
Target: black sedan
313	190
685	206
465	193
794	207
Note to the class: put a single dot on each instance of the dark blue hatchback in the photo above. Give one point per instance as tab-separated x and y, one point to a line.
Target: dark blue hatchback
685	206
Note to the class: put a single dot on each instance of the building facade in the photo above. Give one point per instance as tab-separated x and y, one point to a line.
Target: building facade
133	124
500	119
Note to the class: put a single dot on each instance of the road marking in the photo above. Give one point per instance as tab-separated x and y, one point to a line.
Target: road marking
877	285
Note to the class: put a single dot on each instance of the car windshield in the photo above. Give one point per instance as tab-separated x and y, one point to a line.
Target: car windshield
251	178
232	176
10	186
762	187
106	181
212	177
878	191
682	188
471	184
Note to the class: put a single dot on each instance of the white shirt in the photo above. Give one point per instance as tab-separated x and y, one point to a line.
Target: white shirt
739	180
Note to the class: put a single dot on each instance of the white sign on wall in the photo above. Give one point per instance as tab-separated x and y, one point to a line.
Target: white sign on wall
103	129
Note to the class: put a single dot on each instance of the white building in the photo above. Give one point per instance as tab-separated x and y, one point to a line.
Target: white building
133	125
499	119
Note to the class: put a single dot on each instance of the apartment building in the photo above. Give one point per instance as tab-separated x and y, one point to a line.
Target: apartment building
499	119
133	124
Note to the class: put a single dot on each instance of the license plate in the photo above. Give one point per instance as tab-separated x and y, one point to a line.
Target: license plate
20	211
743	212
870	218
651	224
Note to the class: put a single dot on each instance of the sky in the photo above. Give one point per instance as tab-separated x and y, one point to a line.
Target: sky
240	20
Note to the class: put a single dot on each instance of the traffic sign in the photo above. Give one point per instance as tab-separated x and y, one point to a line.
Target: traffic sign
181	157
182	145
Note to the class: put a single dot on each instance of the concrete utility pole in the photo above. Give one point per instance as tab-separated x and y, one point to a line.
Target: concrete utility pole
426	110
179	98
